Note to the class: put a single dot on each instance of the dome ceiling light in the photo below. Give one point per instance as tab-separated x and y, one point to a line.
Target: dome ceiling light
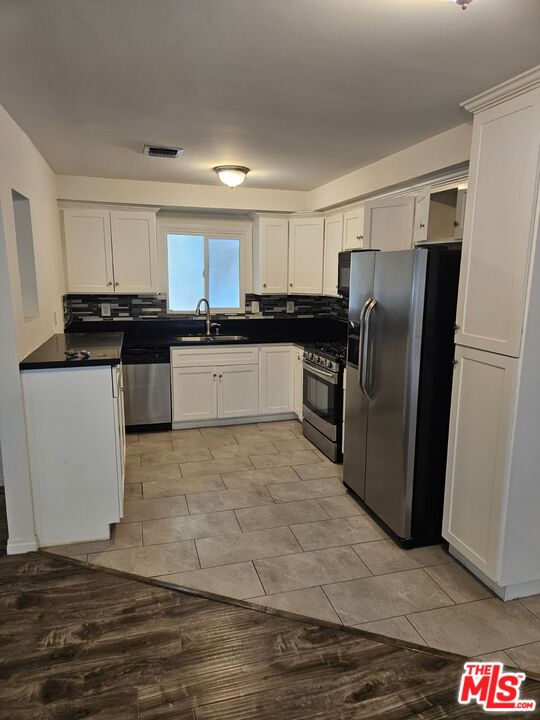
231	175
464	3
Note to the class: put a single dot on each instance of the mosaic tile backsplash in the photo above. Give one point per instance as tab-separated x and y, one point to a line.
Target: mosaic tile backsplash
151	307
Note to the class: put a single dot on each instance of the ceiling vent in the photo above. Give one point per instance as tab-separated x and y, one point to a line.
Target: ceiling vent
163	152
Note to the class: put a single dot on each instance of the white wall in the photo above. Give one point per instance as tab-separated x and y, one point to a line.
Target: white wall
23	169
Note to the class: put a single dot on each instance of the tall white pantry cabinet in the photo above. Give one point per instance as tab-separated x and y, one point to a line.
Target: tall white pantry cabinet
492	504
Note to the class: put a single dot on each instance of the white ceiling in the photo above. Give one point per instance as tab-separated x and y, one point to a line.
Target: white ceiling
301	91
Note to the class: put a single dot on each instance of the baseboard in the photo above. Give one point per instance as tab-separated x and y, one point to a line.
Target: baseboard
233	421
19	547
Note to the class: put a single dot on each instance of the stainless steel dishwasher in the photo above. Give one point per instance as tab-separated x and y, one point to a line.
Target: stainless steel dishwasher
147	388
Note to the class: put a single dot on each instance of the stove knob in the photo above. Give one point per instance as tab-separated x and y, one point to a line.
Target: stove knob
328	363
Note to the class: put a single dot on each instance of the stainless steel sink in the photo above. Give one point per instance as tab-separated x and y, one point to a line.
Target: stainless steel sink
209	339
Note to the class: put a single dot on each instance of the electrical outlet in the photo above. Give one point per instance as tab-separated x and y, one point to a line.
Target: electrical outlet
255	307
105	309
290	306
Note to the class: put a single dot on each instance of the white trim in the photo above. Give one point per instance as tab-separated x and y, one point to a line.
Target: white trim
234	421
529	80
19	547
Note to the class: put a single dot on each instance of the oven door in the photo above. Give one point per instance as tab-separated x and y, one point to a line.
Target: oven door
322	399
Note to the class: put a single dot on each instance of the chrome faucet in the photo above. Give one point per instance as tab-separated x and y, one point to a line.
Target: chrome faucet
208	316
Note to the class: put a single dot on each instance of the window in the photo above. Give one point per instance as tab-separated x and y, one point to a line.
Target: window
203	266
25	254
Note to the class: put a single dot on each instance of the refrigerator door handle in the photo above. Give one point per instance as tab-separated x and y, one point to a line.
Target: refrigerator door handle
361	344
366	341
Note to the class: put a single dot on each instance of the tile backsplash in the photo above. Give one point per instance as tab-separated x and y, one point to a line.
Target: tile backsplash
151	307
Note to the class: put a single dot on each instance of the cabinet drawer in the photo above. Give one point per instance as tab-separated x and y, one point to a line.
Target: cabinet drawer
205	357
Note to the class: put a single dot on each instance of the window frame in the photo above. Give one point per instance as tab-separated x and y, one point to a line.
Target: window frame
207	233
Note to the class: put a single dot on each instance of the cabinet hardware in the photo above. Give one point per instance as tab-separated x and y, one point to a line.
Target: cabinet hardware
109	284
456	223
264	284
422	225
359	237
455	362
214	375
116	284
290	284
456	328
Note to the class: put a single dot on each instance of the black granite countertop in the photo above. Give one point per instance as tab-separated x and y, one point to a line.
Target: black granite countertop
105	348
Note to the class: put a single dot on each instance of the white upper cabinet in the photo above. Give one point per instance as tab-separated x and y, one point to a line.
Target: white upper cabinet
499	224
134	251
270	254
306	250
110	251
389	223
421	215
333	244
88	250
353	228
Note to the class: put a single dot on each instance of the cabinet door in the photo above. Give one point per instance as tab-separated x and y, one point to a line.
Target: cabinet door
479	441
271	252
277	380
306	243
353	228
194	391
88	250
499	225
134	247
238	391
389	223
421	216
333	244
298	382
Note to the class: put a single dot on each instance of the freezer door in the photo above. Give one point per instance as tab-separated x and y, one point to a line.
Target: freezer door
392	348
356	403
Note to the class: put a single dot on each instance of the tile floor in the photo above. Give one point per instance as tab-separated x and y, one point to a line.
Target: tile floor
256	512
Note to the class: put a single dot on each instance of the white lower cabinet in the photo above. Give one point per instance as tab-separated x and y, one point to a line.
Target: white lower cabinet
276	380
238	391
479	443
194	391
298	381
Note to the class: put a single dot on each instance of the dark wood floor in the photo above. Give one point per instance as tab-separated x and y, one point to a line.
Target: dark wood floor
81	643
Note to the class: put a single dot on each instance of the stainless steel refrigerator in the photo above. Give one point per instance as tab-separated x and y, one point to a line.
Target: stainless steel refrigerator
399	377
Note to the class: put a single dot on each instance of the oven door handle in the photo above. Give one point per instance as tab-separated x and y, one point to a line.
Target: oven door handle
324	374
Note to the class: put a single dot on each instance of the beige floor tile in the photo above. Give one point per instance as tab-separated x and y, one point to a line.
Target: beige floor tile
398	627
133	462
309	569
268	516
247	429
205	441
204	467
132	438
241	478
532	603
340	506
384	556
238	581
228	499
148	446
458	583
182	486
132	491
167	530
385	596
311	602
306	489
497	656
269	436
293	458
175	435
152	560
257	447
287	446
292	425
431	555
317	470
122	536
175	456
228	549
477	628
152	472
526	657
332	533
154	508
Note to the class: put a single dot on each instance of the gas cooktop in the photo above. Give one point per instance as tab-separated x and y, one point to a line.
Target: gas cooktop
331	355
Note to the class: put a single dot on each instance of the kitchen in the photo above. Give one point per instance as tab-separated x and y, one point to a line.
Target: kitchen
321	403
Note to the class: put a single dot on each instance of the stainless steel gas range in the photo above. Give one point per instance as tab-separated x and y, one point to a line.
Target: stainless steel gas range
323	397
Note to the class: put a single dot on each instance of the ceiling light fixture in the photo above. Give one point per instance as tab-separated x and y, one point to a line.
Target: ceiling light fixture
464	3
231	175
